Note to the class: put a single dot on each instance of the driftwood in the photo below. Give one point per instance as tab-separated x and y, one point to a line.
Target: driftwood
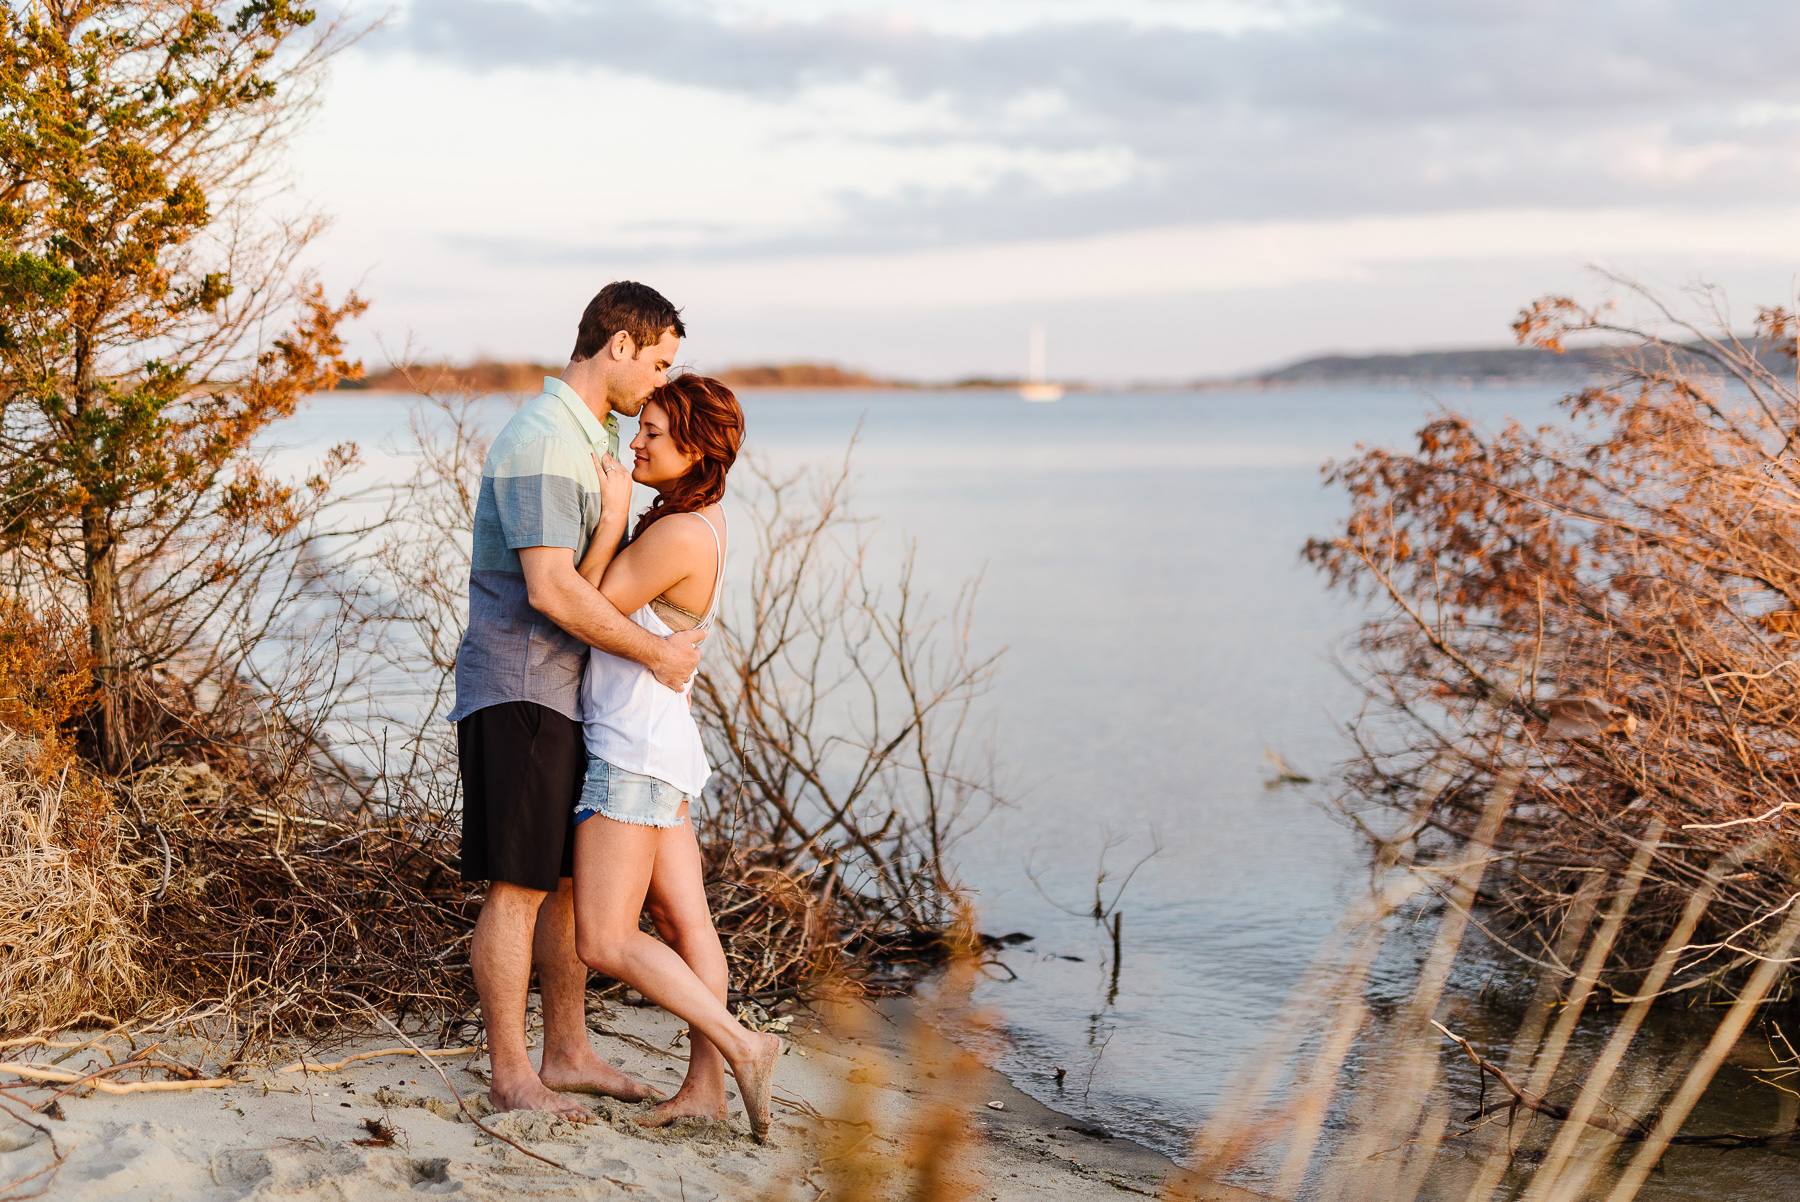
62	1076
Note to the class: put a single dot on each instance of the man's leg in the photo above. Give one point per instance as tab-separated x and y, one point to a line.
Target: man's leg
570	1063
500	953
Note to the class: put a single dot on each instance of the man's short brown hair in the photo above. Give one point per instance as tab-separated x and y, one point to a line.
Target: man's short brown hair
638	309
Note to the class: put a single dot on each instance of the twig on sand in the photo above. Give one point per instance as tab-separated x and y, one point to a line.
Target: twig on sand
7	1195
6	1191
636	1042
62	1076
75	1048
300	1066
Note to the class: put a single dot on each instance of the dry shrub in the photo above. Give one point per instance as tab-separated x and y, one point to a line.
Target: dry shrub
278	911
245	888
44	673
778	932
1604	607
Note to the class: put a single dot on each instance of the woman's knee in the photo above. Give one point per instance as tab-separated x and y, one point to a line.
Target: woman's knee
602	951
682	929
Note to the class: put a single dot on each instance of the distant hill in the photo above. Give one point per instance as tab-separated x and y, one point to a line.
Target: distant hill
1511	364
799	375
482	376
1516	363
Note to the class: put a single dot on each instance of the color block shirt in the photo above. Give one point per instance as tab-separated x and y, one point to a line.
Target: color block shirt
538	489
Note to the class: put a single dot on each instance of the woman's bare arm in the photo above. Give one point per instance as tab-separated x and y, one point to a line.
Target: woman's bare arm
615	509
658	560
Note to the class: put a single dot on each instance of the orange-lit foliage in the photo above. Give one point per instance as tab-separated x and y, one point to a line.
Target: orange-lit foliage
45	685
1643	551
44	673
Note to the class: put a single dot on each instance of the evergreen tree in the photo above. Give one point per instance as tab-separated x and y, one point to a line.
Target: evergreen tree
153	320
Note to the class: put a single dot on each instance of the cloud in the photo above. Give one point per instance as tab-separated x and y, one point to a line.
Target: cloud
1376	107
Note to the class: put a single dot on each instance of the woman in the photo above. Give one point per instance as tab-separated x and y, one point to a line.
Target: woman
634	843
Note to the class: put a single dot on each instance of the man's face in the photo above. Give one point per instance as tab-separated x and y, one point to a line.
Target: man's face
634	378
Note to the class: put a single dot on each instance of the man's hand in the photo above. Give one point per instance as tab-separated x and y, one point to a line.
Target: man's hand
675	666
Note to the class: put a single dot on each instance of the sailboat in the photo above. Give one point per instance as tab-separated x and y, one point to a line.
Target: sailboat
1035	388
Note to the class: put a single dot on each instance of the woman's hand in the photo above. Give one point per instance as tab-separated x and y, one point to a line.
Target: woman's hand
615	503
615	487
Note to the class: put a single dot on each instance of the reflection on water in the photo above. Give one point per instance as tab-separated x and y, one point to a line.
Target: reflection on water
1139	561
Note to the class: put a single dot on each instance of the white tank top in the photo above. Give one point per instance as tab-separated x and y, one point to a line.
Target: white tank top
634	723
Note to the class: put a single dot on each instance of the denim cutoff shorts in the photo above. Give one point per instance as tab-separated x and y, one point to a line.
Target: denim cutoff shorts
627	797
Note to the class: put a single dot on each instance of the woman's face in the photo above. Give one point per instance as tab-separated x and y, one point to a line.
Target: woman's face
658	461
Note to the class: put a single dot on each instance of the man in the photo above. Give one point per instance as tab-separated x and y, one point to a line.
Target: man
518	672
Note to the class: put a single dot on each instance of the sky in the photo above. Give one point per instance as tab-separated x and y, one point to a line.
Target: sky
1173	189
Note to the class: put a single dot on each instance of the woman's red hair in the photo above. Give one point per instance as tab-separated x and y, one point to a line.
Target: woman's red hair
705	419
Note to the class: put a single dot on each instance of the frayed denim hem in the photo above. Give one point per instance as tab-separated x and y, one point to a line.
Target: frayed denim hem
640	820
628	797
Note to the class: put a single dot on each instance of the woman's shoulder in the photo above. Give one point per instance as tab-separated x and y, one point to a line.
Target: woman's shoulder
680	532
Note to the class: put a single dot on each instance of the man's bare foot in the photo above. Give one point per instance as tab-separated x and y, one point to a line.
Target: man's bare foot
686	1104
756	1081
592	1075
529	1093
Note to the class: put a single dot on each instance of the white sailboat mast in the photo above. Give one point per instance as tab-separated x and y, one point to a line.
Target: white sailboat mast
1036	386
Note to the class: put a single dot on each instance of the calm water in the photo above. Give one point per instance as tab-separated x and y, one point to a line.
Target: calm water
1140	563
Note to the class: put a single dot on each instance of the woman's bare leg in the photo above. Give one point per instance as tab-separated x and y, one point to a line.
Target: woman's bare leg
677	904
614	864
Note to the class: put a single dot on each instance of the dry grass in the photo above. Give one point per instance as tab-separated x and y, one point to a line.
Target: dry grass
71	932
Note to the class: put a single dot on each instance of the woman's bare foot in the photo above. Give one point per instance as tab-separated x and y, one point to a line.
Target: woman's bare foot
686	1104
529	1093
756	1080
592	1075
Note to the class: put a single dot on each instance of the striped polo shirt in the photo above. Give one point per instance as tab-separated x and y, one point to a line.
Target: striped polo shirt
538	489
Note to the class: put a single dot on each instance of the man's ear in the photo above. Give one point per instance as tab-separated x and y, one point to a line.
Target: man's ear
621	345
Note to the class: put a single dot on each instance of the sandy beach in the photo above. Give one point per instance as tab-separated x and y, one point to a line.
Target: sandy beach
847	1105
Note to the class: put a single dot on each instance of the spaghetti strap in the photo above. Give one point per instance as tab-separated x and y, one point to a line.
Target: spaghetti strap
718	566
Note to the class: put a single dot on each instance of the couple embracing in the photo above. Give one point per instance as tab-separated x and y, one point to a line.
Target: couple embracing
579	753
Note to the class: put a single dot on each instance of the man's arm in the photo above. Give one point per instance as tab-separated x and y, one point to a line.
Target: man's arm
556	590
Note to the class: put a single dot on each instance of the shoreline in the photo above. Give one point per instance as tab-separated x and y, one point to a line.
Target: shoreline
313	1136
